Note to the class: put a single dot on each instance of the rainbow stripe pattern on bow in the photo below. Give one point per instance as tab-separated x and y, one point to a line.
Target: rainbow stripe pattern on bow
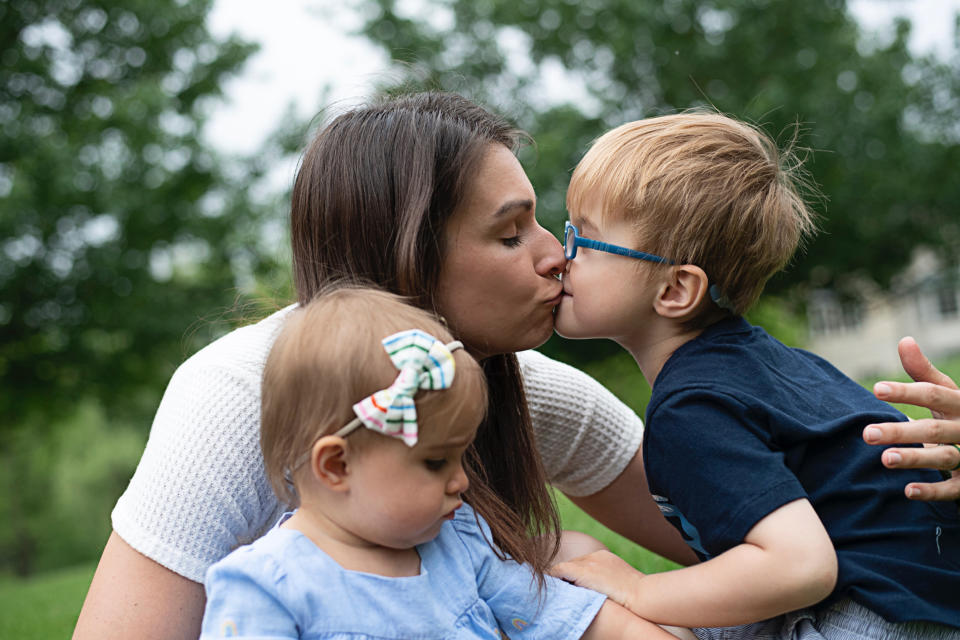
424	363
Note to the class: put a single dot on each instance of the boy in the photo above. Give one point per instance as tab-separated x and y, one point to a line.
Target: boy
752	449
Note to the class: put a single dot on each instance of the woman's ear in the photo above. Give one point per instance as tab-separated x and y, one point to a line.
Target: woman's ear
682	292
328	462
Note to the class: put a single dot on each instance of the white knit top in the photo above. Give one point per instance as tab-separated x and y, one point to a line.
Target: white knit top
200	489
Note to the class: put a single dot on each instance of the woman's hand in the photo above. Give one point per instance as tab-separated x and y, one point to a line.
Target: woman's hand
936	391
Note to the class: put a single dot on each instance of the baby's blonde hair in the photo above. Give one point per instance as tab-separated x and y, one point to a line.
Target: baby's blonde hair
329	356
704	189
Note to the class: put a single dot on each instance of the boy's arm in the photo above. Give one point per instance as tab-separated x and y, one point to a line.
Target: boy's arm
786	562
642	522
613	622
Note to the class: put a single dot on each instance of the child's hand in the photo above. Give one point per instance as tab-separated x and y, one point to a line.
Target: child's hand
601	571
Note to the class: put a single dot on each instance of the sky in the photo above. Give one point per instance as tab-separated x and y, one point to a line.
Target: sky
307	46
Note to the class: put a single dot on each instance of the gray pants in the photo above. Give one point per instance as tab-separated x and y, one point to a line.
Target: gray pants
843	620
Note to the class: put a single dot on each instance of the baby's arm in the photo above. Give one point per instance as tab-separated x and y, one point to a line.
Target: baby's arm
786	562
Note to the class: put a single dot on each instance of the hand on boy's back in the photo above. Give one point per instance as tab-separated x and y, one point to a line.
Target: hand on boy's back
936	391
601	571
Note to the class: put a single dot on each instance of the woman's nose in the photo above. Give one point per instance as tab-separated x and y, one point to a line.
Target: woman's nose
550	259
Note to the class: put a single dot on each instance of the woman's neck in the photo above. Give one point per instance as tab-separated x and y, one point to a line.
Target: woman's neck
351	551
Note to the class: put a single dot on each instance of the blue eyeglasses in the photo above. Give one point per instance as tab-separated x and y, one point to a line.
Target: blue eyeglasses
572	239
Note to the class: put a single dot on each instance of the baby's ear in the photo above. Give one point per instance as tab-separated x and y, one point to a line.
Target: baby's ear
682	292
328	462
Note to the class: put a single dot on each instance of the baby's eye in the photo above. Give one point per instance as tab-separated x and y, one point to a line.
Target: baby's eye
435	465
513	241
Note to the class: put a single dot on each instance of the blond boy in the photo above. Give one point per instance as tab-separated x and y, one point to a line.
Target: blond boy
752	449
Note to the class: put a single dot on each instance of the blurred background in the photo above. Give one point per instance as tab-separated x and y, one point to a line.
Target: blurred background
147	150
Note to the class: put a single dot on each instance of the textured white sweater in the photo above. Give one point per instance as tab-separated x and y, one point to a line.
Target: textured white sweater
200	489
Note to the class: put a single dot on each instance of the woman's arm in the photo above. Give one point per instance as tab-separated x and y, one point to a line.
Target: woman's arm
590	445
936	391
132	596
625	506
786	562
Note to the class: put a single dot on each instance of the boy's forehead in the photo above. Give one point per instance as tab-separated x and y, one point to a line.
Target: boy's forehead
589	208
595	210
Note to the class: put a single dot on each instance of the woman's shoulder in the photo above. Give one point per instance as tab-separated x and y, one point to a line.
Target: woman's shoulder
585	435
551	381
242	351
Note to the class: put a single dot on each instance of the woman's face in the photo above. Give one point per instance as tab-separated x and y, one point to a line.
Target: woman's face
498	284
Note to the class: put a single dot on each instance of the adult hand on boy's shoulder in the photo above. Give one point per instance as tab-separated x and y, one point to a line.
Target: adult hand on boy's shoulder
935	391
601	571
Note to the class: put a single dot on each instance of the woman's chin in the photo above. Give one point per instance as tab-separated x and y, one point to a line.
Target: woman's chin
533	335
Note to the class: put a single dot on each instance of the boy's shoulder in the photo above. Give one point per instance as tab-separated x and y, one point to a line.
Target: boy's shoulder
730	344
742	365
735	358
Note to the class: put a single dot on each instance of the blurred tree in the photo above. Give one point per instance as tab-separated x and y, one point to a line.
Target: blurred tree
119	229
881	123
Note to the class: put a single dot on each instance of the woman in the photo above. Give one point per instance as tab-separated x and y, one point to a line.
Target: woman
421	195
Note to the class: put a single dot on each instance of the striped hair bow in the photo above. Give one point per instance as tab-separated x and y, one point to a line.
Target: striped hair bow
424	363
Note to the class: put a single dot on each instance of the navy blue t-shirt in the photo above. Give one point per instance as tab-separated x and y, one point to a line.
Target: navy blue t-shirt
739	425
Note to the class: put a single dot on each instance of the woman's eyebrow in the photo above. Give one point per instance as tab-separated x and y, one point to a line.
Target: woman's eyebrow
507	207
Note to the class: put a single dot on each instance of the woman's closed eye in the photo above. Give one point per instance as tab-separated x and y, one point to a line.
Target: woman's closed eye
512	241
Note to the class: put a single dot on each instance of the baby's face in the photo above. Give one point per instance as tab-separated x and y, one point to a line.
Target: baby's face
402	495
605	295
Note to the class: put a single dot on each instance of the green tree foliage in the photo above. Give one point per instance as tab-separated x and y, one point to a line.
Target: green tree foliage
118	227
121	236
880	122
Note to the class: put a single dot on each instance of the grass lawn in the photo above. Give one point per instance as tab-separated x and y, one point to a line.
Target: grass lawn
45	606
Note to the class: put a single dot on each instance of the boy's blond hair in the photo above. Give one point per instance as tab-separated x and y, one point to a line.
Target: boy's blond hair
329	356
702	189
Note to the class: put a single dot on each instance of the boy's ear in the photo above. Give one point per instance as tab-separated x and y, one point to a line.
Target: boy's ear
682	292
328	462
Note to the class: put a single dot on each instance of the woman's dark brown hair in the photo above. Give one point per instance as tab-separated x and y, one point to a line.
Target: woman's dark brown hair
370	203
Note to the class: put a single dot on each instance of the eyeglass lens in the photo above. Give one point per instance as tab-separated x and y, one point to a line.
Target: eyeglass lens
570	242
